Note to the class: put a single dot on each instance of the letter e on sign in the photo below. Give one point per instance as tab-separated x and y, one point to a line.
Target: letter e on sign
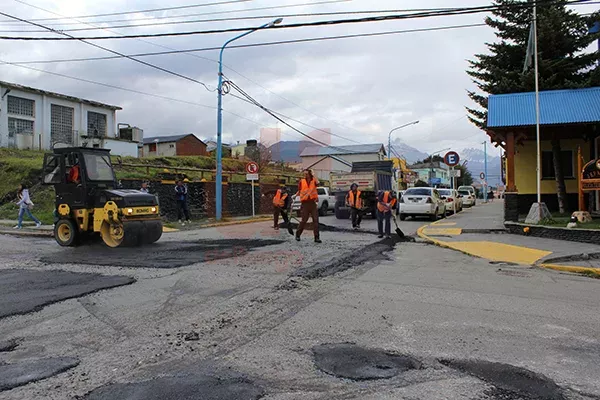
451	159
252	168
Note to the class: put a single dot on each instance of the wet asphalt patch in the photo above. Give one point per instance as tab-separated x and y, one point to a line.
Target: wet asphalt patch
369	253
510	382
191	387
23	291
159	255
21	373
347	360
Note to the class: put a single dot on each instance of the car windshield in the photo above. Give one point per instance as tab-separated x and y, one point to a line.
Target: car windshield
418	192
445	192
98	167
464	192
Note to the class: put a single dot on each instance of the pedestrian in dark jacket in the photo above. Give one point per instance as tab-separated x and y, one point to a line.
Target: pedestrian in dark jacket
181	193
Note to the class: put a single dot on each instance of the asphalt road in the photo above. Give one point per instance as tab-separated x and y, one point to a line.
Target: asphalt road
244	312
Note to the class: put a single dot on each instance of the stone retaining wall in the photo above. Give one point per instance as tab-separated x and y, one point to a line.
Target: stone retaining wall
548	232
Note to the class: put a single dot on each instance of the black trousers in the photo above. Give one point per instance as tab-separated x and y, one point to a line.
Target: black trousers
182	210
387	216
309	210
284	215
357	216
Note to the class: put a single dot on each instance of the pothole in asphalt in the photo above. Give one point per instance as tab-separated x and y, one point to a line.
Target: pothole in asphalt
23	291
159	255
346	360
192	387
510	382
22	373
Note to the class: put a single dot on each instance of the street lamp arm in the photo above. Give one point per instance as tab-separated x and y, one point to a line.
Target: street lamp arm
390	136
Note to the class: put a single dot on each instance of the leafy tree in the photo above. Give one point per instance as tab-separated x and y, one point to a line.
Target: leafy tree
562	38
466	179
421	183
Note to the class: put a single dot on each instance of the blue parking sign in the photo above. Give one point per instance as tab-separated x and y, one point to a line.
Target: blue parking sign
451	159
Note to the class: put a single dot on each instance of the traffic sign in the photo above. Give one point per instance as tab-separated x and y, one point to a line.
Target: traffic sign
482	175
252	167
451	159
251	177
455	173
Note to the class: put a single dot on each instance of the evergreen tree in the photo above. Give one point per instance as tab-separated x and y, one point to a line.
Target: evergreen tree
562	38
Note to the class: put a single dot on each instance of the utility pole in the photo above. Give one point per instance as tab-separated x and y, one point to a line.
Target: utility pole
485	192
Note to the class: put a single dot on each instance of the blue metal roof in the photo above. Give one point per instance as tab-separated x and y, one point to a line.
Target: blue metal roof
343	150
165	139
557	107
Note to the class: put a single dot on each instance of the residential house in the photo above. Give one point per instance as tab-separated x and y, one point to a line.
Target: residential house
434	173
211	146
570	118
33	118
177	145
324	160
238	150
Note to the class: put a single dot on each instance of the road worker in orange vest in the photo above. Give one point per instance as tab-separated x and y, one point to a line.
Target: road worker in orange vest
281	204
309	199
354	201
386	205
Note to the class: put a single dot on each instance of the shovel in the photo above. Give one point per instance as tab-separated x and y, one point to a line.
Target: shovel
398	230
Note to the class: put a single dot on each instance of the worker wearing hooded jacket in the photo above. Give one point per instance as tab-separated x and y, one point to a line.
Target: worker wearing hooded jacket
386	203
309	199
354	201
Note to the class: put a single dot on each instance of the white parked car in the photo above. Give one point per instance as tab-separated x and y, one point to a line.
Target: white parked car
422	201
453	200
326	202
468	197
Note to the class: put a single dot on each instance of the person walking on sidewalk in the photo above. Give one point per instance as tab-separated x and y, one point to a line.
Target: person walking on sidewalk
25	205
281	205
309	199
181	193
386	203
354	201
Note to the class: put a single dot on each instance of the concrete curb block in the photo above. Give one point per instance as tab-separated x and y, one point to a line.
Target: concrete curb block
567	268
241	222
15	232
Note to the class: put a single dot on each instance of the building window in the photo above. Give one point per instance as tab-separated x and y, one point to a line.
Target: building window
19	126
152	147
566	161
171	145
96	124
20	106
61	124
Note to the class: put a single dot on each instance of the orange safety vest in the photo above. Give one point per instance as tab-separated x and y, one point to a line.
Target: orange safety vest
386	199
279	199
308	191
356	203
74	174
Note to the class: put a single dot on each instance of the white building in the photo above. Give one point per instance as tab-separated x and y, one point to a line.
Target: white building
37	119
324	160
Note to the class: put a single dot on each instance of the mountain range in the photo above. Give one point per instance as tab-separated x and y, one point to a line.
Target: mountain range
289	151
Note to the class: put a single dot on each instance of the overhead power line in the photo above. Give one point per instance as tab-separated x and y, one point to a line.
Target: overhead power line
126	89
147	10
116	52
197	5
381	18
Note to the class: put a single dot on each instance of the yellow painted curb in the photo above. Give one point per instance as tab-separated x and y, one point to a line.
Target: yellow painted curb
241	222
442	231
166	229
569	268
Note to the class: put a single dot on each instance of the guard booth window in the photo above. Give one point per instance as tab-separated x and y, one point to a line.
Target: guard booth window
566	162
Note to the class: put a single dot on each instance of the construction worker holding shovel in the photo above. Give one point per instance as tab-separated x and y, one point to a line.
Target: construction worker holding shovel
354	201
281	204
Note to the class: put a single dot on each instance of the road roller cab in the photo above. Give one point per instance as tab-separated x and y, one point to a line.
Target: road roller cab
88	201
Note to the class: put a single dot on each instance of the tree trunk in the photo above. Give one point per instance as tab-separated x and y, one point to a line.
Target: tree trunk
561	190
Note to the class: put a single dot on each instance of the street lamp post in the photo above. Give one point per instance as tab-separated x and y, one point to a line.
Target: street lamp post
390	136
219	158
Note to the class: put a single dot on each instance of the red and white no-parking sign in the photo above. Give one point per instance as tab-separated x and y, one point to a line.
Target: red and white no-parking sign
252	167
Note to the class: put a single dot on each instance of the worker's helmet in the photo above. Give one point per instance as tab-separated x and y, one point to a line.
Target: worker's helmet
186	180
354	185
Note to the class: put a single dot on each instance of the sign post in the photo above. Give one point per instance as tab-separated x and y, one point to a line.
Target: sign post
452	159
252	175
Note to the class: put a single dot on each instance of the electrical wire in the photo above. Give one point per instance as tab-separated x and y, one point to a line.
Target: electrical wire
117	53
137	25
209	13
457	11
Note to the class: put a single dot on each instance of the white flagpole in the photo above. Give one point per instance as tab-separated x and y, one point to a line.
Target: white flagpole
537	108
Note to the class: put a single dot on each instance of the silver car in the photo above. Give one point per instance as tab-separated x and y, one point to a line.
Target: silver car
422	202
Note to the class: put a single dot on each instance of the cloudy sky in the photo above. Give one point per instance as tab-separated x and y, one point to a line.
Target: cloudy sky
359	88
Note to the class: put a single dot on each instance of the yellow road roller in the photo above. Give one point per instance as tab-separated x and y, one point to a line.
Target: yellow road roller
89	203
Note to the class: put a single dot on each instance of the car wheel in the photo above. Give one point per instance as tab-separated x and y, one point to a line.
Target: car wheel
402	217
323	209
434	216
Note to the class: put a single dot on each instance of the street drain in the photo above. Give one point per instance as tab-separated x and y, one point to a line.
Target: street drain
510	382
346	360
189	387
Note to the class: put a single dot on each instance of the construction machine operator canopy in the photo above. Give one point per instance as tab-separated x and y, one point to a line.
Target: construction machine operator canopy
95	163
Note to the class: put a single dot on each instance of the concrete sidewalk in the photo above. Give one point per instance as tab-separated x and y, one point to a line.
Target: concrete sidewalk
480	232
